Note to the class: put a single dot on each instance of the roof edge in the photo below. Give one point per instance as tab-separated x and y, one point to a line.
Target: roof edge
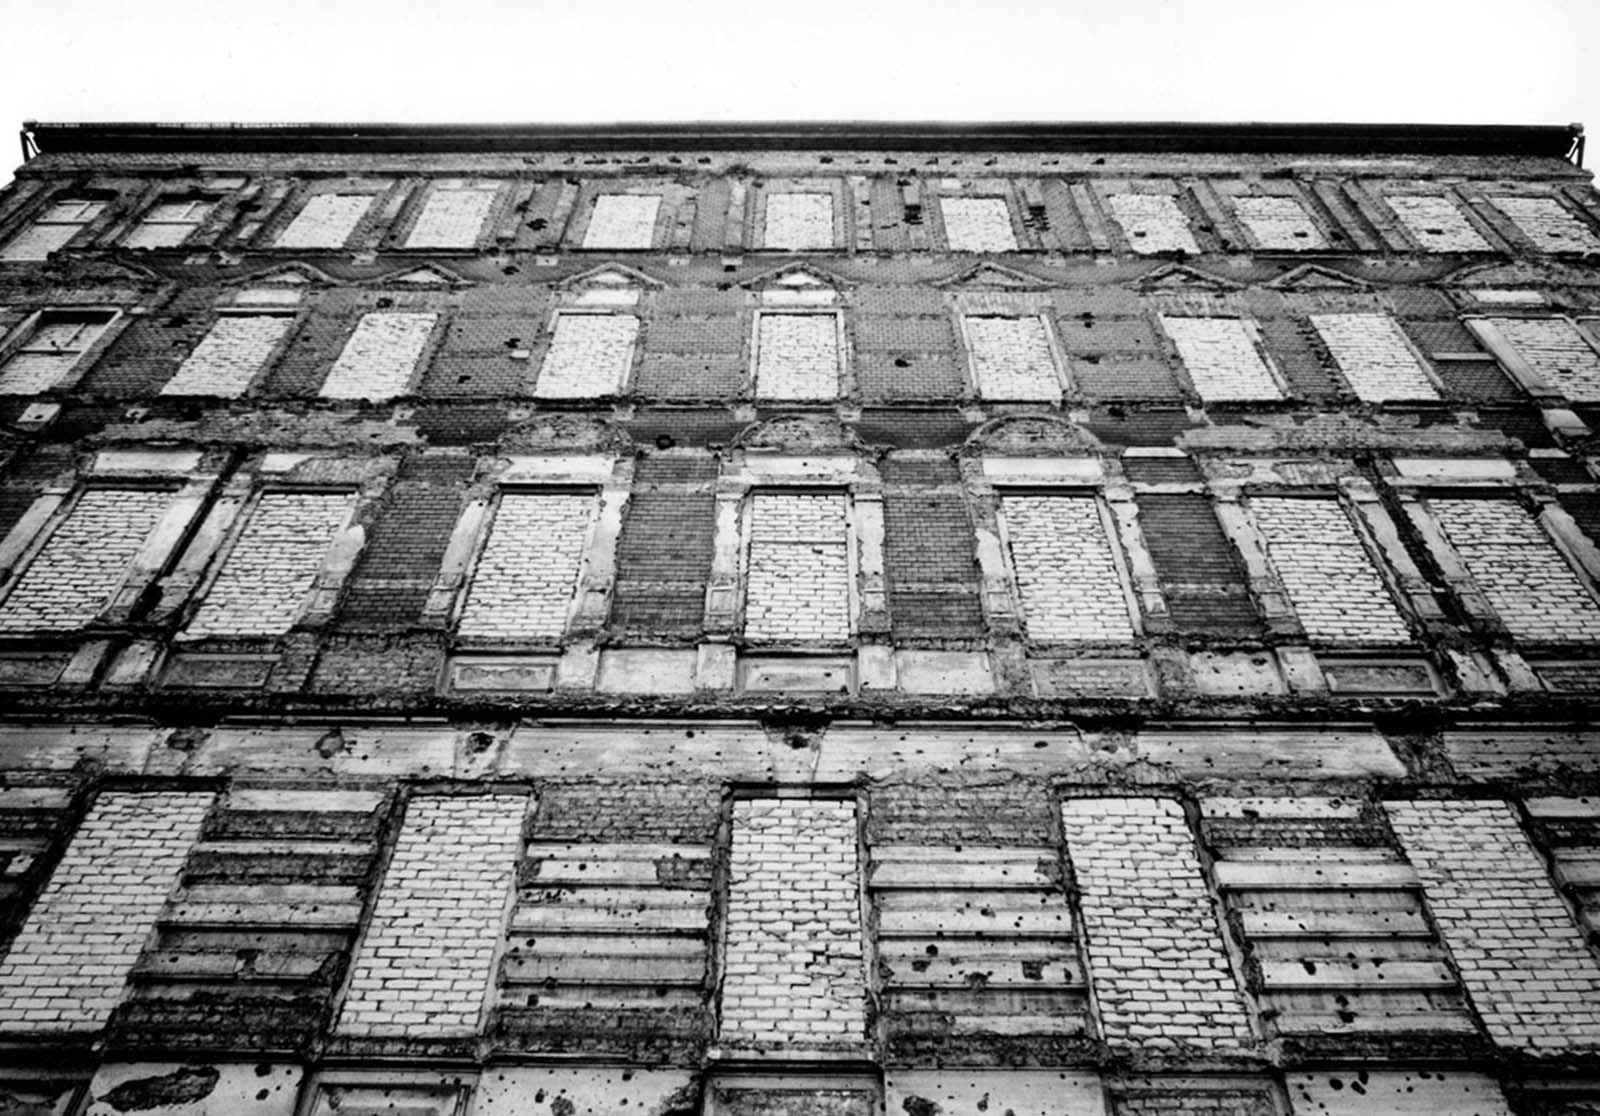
1561	141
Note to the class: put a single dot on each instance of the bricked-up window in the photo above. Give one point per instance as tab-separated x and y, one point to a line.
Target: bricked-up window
525	579
49	348
590	355
325	221
1224	358
232	354
380	359
169	223
1201	575
74	576
1067	573
1554	350
270	570
665	549
1435	223
799	222
929	551
798	570
1326	571
452	217
977	225
623	222
1550	225
798	356
1528	582
1012	358
52	229
1375	357
1153	223
1279	224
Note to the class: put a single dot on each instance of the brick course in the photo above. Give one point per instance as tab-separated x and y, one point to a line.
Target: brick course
1435	223
1279	224
67	968
525	578
590	355
1374	357
1331	581
73	577
798	582
794	970
1530	975
1011	359
380	358
1160	971
231	355
1558	352
426	962
1549	224
273	564
1222	358
797	356
325	221
1065	571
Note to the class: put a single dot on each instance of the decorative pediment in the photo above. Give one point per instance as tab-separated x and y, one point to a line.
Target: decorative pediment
992	276
101	270
1031	436
609	276
800	434
565	432
428	275
1182	277
287	275
796	278
1518	273
1315	277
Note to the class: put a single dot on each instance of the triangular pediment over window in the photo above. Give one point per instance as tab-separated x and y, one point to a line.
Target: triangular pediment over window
1181	277
1314	277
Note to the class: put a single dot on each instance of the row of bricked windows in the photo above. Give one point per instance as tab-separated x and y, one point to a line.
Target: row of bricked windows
798	355
1153	220
1067	554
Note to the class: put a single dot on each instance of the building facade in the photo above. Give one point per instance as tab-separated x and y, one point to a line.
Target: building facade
772	620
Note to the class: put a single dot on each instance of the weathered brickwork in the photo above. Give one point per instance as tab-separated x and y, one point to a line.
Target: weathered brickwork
381	357
1160	971
1435	223
1558	353
799	222
1530	586
1066	573
665	549
1519	951
1153	223
589	356
168	224
72	579
273	565
1223	358
798	581
797	356
1279	224
51	350
1549	224
424	966
231	356
67	967
525	578
326	221
1330	578
50	231
1374	357
794	970
1011	358
1200	572
452	217
977	225
623	221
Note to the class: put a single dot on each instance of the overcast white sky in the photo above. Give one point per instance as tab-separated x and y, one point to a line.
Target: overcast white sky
1454	61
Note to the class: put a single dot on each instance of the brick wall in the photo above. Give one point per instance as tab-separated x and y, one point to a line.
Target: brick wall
1278	224
1558	353
68	965
380	358
72	579
231	356
977	225
1011	358
1548	223
622	221
799	222
425	963
1530	586
1435	223
929	553
1330	579
273	564
1201	576
794	973
1161	974
589	355
1153	223
664	551
1373	355
1066	574
325	221
797	356
452	217
523	585
1222	358
797	587
1518	949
